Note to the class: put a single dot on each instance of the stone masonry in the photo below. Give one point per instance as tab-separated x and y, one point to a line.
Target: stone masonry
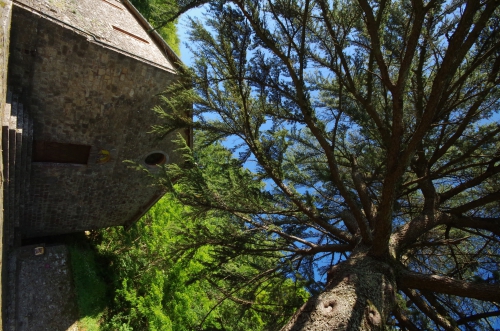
88	80
45	299
5	19
76	111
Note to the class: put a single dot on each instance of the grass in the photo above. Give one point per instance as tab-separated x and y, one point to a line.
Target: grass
90	287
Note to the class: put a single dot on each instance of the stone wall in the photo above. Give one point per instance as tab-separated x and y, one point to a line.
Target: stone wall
5	17
113	27
78	92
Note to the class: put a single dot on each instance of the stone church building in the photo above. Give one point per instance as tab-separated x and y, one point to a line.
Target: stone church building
77	98
83	76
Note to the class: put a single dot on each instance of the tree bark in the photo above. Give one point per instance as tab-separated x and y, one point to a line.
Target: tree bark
359	295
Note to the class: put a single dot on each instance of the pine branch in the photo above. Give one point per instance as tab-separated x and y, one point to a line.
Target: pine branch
448	285
429	311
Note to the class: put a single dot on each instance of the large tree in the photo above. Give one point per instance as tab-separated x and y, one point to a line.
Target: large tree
366	143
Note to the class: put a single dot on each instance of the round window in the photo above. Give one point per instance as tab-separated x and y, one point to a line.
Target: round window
155	159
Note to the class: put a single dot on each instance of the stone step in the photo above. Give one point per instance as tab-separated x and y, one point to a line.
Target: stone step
17	143
12	169
5	159
18	174
17	129
26	169
24	163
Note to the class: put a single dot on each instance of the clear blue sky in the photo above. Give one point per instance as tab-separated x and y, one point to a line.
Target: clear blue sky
182	28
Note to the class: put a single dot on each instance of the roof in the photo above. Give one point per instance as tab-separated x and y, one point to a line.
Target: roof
110	23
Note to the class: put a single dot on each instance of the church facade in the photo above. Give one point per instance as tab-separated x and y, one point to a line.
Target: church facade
83	78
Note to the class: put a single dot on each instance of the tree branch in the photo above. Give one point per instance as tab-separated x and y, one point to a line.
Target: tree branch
411	231
403	319
493	197
362	190
335	248
429	311
351	86
373	31
439	152
444	242
458	46
466	154
448	285
310	122
476	317
490	171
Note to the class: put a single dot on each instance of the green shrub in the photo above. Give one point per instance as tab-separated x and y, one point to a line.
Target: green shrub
91	289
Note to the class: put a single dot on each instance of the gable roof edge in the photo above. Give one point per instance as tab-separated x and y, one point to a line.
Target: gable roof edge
161	43
91	37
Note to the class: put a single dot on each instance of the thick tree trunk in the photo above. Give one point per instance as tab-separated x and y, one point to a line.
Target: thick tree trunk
359	296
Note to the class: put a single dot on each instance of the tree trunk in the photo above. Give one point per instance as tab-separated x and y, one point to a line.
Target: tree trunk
359	295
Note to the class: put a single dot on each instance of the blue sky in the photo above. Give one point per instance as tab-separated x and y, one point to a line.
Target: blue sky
182	28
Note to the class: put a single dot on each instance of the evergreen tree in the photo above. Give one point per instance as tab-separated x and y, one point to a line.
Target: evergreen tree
364	145
157	13
153	288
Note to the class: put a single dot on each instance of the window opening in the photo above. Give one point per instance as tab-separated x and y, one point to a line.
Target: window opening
50	151
155	159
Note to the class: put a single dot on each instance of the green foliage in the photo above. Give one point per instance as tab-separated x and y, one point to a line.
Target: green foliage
326	128
91	290
161	284
157	13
